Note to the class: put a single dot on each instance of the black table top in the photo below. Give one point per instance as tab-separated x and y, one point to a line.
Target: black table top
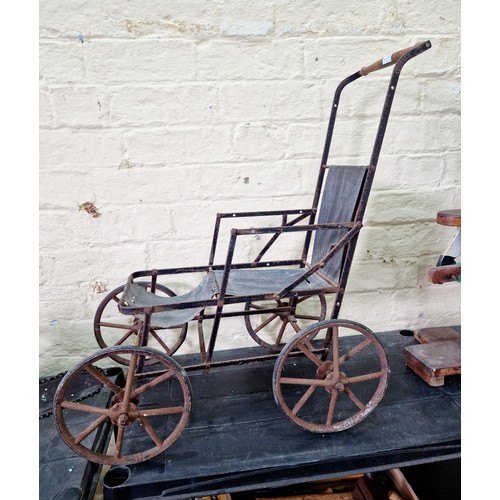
238	439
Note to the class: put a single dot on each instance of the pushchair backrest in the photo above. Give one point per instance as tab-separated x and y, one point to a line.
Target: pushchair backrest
341	192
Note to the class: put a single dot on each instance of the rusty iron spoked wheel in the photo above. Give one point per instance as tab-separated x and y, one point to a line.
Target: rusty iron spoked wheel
147	411
335	381
273	323
111	328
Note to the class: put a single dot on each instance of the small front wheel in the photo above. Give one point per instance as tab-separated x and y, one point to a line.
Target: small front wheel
330	376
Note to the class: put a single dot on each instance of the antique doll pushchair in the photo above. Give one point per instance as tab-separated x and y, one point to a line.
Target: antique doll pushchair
321	380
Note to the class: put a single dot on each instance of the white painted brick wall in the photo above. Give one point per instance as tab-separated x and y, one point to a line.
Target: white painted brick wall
164	113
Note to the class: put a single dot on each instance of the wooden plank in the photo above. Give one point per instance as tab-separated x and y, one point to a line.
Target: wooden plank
403	487
437	334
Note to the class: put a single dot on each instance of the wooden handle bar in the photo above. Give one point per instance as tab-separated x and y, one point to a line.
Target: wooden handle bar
444	274
386	61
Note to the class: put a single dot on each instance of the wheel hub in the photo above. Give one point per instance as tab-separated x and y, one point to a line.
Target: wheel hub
123	414
326	372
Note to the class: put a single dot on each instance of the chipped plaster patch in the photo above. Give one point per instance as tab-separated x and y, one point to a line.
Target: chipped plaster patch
249	28
128	164
182	27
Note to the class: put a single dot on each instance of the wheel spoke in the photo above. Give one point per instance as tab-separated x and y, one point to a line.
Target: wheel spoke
306	350
152	383
363	378
91	428
159	340
72	405
307	342
120	435
160	412
331	408
293	322
102	378
152	433
335	351
125	337
266	322
129	383
281	332
355	350
305	381
303	400
354	399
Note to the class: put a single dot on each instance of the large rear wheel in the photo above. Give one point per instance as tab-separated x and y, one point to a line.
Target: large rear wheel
273	323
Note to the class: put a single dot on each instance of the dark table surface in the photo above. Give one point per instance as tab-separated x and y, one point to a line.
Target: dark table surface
238	439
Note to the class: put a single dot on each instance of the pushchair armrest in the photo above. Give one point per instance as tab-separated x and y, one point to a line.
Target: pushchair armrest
300	214
265	213
352	227
295	229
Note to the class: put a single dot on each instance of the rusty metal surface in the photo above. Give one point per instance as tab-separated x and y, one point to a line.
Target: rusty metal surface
112	328
334	392
133	401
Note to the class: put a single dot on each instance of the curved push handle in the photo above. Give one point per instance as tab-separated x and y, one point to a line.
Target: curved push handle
390	59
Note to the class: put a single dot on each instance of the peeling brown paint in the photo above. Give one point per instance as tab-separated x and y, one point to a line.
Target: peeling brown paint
90	208
99	287
128	164
181	26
